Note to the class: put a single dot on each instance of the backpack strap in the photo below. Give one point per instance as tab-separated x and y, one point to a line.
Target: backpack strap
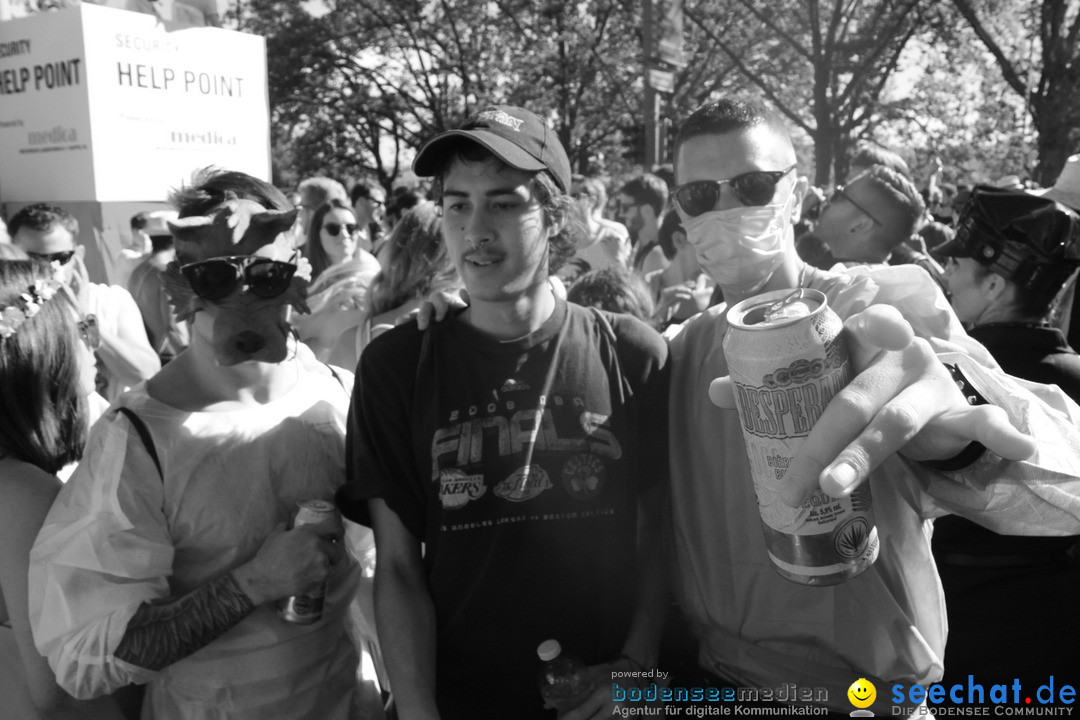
144	434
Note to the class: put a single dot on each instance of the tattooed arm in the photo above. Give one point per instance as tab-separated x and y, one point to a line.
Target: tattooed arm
159	635
288	563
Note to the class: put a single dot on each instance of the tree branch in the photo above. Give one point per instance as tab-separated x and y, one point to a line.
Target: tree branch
750	75
1008	71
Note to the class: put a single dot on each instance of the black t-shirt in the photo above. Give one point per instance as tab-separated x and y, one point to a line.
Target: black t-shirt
519	465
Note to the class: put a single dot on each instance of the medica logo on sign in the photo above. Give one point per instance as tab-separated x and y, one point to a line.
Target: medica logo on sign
100	104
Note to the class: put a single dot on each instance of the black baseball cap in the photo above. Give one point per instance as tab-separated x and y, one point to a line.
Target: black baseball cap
1027	239
513	134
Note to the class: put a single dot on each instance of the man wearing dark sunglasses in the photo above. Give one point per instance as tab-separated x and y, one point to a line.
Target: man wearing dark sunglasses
369	203
187	487
125	357
907	424
641	204
867	218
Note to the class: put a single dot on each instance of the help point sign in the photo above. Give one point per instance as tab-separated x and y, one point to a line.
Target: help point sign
100	104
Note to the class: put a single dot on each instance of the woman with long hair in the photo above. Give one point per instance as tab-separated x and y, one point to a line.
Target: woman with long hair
341	276
46	374
416	265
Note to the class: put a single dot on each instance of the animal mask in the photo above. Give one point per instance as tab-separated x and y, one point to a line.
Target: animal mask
246	326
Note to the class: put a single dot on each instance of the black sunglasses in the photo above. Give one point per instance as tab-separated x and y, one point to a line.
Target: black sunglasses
216	278
335	228
839	194
754	188
63	257
89	331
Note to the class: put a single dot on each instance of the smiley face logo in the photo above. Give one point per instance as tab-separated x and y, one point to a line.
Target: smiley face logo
862	693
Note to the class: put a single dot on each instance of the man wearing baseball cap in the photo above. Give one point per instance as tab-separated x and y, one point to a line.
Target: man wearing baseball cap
511	459
1012	254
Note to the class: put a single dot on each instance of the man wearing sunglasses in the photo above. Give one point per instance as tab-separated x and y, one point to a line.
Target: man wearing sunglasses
369	204
929	439
871	221
521	442
641	203
165	557
865	220
48	233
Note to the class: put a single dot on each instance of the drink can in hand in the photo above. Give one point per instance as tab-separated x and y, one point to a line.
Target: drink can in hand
307	609
787	356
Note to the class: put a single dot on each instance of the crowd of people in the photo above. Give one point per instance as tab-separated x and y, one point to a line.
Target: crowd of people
539	438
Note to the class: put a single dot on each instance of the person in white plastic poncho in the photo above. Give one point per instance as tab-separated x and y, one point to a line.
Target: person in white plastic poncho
903	424
162	559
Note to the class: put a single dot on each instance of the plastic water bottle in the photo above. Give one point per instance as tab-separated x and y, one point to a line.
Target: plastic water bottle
564	680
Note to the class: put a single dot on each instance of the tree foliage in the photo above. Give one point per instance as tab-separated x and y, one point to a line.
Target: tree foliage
353	90
1036	46
356	89
824	64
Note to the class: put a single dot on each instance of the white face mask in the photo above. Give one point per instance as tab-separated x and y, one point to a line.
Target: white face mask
743	246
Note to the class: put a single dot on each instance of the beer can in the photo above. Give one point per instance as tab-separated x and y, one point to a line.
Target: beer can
787	356
307	609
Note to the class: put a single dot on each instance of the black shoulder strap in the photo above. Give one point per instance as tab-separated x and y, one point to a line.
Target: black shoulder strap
144	435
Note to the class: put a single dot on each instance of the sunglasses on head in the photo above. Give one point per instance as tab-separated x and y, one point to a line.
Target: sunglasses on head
89	331
753	188
335	228
216	278
63	257
839	194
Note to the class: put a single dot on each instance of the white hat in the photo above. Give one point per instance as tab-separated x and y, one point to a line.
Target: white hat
1067	188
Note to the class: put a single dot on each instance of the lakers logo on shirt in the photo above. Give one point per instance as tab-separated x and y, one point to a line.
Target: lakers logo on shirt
456	489
583	476
524	484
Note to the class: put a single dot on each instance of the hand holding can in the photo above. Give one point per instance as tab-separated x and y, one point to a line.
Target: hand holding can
787	356
289	562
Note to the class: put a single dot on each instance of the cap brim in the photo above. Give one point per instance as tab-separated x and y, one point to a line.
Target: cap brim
952	248
429	160
1068	199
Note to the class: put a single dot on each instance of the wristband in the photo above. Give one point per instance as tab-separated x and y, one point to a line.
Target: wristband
974	449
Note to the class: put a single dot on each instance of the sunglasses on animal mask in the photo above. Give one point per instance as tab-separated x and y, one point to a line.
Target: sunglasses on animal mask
754	188
216	278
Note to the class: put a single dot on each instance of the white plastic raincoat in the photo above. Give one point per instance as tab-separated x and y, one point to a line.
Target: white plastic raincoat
118	536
